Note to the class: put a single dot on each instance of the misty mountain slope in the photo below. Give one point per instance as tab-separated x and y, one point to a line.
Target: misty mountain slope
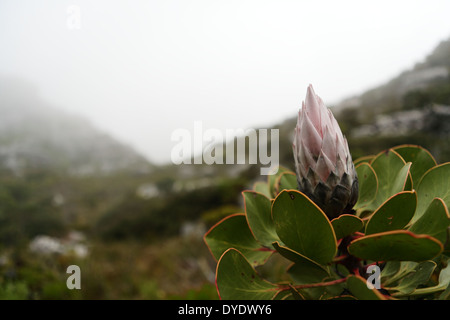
411	108
34	134
432	72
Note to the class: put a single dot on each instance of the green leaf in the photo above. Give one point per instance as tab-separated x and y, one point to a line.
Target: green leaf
421	160
286	181
419	276
445	295
402	180
236	279
435	183
233	232
368	185
272	181
323	292
395	245
284	295
434	221
342	270
444	283
258	209
296	257
357	285
397	270
296	294
447	243
444	276
301	274
304	270
390	269
388	167
393	214
365	159
262	187
303	227
346	224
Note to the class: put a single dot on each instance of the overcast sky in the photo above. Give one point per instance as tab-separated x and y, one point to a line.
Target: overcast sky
141	69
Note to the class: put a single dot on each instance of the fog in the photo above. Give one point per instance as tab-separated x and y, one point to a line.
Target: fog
142	69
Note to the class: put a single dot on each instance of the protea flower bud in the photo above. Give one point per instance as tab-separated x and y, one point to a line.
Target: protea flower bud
324	166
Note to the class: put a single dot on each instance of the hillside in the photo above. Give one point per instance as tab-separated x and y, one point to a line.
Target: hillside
71	194
34	134
68	174
412	108
431	73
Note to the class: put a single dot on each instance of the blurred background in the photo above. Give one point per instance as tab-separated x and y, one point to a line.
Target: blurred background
91	92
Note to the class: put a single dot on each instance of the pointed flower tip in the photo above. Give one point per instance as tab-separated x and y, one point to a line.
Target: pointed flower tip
321	150
310	91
